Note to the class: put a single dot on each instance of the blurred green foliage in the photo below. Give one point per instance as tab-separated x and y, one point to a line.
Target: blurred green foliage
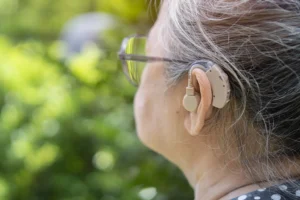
67	129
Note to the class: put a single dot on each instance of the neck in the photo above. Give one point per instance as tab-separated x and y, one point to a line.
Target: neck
204	167
214	181
222	185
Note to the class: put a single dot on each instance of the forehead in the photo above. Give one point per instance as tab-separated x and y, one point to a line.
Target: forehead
160	19
163	10
155	40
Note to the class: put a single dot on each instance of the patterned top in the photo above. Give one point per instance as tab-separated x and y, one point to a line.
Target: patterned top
285	191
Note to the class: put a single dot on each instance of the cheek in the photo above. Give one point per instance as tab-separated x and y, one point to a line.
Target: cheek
158	118
158	110
148	104
146	116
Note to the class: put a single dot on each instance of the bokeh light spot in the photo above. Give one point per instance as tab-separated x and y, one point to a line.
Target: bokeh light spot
148	193
104	160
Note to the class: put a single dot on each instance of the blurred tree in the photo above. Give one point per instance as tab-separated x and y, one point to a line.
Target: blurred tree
44	19
67	129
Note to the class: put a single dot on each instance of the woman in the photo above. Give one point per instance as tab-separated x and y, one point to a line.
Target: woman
220	95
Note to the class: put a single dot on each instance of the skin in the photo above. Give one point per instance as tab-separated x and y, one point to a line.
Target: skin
166	127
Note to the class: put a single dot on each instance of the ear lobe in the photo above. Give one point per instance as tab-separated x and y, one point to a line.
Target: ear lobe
195	121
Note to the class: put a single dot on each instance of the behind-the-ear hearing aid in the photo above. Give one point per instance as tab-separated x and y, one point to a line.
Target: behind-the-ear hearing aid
219	83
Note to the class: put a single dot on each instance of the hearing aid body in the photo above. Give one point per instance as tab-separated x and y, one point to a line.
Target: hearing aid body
219	83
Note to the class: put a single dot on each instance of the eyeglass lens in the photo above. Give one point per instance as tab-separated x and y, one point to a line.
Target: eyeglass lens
134	69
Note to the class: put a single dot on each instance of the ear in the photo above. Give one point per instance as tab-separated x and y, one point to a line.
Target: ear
194	121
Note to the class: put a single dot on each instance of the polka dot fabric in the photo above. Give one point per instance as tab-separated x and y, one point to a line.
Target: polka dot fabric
285	191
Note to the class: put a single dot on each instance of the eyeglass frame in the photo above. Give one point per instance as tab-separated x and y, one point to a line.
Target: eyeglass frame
123	56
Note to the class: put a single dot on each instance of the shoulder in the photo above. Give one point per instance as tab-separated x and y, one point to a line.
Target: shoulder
284	191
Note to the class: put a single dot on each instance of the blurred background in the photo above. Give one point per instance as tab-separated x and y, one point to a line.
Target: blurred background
66	122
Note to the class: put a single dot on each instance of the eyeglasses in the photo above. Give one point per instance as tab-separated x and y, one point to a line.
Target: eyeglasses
133	56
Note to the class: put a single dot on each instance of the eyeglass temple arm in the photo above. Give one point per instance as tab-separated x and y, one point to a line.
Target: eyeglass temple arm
141	58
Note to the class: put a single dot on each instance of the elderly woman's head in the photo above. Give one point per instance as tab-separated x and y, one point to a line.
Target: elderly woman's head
255	136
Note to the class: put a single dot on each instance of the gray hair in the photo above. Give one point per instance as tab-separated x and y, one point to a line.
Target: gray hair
257	43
